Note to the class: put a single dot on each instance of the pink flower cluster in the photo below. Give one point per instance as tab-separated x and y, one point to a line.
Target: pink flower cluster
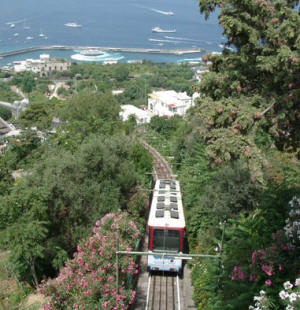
88	280
238	274
265	263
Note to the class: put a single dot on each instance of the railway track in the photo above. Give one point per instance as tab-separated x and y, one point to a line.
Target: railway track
163	289
163	292
162	169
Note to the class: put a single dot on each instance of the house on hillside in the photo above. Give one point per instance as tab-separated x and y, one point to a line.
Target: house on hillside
43	66
141	116
169	103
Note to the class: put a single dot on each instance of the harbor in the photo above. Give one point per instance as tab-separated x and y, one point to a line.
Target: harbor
103	48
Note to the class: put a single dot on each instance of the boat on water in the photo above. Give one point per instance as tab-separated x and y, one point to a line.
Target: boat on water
29	38
12	25
72	24
92	52
41	34
158	29
163	12
166	12
16	34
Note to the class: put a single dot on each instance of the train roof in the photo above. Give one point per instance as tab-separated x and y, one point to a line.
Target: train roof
166	206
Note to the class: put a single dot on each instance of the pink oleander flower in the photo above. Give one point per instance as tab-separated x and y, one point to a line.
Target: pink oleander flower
267	269
268	282
241	275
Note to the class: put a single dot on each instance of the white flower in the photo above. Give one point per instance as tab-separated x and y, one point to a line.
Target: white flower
283	294
251	308
297	283
293	297
289	307
258	298
262	293
287	285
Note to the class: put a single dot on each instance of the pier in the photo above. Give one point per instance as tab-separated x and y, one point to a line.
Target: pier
103	48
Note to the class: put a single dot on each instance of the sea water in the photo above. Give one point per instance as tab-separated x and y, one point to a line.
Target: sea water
112	23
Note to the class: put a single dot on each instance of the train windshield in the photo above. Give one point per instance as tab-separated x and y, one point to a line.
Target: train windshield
166	240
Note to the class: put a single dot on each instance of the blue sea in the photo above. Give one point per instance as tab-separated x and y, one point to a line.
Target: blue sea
112	23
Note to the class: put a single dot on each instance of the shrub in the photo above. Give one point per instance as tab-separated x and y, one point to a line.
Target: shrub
88	281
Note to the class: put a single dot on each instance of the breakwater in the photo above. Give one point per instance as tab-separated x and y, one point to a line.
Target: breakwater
103	48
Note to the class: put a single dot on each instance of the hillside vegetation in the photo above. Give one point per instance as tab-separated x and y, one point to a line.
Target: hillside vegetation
236	155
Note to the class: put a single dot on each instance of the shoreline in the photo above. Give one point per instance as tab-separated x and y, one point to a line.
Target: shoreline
103	48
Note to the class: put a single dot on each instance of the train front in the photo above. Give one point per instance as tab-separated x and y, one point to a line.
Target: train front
166	227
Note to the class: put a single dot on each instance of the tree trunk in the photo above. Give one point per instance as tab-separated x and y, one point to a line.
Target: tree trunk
33	271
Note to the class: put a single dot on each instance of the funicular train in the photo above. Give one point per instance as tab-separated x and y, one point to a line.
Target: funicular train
166	227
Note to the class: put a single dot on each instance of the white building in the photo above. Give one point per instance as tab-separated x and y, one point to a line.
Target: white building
43	66
142	116
198	72
169	103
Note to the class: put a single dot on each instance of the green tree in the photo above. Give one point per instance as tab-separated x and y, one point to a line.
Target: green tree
165	126
90	111
23	229
28	82
121	73
62	197
5	113
256	87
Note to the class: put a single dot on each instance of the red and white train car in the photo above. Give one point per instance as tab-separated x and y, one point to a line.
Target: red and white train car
166	225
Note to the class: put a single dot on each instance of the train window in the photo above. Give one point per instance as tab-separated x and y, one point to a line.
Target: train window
174	215
161	198
174	206
160	205
166	240
159	213
173	199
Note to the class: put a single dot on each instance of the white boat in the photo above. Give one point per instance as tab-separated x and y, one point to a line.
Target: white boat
92	52
72	24
41	34
29	38
163	12
12	25
169	13
158	29
16	34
